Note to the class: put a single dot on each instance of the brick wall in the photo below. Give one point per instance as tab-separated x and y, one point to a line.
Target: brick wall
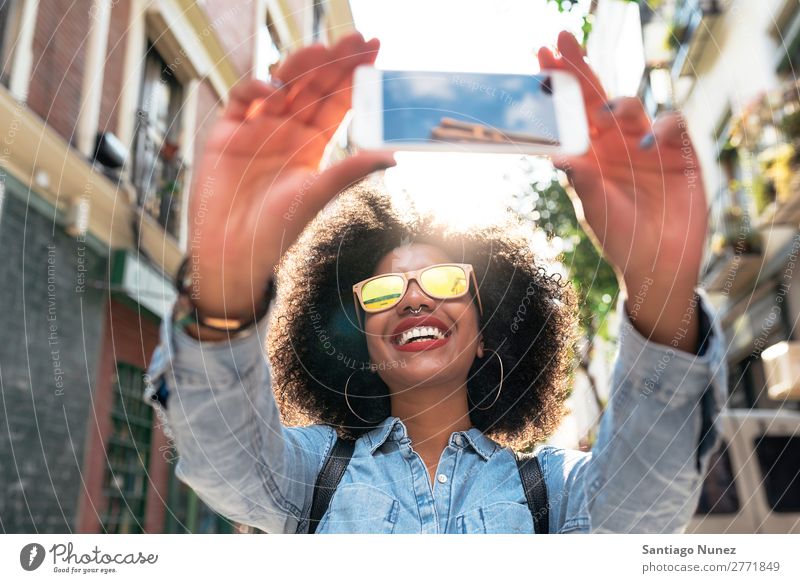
49	345
115	65
58	61
129	336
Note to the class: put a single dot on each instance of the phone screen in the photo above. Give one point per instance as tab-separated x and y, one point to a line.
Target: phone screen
432	107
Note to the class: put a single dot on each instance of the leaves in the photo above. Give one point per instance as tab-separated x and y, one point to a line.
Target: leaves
586	26
552	210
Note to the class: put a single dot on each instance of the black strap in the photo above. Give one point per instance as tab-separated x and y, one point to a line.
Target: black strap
535	491
329	477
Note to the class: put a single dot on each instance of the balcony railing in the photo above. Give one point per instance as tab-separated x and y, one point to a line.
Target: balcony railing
158	176
691	30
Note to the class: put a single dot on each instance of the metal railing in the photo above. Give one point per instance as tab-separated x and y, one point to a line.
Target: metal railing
158	176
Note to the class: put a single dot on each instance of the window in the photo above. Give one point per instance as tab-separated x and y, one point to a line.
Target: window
735	171
269	48
9	29
157	166
318	24
777	460
128	453
718	495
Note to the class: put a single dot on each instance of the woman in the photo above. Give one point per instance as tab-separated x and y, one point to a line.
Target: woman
411	338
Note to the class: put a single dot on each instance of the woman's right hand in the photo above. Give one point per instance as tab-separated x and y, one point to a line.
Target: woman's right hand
258	182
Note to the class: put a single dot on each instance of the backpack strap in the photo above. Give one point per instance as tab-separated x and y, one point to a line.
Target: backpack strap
535	491
329	477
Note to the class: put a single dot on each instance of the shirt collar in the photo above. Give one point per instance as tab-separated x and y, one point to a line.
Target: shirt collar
393	429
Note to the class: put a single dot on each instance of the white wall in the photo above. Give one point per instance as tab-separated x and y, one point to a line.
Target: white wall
737	64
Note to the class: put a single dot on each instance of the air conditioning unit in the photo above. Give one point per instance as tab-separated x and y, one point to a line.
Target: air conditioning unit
782	370
110	154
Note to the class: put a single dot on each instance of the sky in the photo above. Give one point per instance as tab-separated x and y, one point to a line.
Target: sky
501	36
416	102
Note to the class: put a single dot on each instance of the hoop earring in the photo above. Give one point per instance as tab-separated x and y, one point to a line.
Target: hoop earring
502	376
347	401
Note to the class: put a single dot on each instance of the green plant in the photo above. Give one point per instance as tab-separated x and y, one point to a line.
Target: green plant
790	126
778	166
728	152
761	193
675	36
593	278
739	234
586	26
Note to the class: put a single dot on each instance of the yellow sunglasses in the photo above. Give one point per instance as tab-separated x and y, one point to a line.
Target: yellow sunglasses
444	281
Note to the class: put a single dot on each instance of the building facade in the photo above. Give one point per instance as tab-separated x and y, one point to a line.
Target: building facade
731	67
104	106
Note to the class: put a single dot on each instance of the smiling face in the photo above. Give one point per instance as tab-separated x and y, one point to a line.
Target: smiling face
437	346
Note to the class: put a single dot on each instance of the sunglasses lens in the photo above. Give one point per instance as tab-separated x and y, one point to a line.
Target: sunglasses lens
444	281
381	293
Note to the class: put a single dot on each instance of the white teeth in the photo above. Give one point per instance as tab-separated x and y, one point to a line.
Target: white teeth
420	332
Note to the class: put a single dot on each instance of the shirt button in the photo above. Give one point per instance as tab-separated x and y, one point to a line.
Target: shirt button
442	478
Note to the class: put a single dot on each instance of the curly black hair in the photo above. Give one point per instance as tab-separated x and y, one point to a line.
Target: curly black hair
315	342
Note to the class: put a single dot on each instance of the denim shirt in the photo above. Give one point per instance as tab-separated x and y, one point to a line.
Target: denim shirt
643	474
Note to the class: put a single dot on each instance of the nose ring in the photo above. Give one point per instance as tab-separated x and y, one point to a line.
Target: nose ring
417	311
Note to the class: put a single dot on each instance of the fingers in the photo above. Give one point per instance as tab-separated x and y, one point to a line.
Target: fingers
625	115
670	130
579	170
589	194
328	88
317	82
332	108
572	59
298	63
346	173
294	70
252	93
570	48
547	59
318	65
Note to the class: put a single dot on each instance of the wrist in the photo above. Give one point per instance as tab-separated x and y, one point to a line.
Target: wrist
190	313
227	292
660	285
664	316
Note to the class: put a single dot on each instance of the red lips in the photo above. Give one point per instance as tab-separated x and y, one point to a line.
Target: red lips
419	345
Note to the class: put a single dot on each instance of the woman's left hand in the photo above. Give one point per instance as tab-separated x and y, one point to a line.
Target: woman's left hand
641	194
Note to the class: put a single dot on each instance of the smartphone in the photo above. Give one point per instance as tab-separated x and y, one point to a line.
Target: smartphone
470	112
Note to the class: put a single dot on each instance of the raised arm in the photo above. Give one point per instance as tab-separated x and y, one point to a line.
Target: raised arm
657	434
256	187
215	402
639	191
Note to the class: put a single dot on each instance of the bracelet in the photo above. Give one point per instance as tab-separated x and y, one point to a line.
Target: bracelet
186	311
